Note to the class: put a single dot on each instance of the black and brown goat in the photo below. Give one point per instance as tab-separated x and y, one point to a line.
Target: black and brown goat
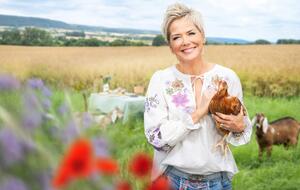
283	131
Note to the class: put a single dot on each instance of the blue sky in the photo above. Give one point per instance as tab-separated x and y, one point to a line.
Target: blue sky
245	19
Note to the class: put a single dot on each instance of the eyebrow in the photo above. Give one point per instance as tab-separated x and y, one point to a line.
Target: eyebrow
172	35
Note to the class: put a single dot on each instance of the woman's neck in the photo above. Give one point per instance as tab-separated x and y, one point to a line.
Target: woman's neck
194	68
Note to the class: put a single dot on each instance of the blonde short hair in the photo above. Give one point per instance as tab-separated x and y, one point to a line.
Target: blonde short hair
177	11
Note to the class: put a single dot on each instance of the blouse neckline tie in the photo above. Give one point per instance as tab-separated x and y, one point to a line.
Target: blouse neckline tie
195	78
196	94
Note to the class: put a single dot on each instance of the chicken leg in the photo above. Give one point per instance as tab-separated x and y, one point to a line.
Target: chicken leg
223	145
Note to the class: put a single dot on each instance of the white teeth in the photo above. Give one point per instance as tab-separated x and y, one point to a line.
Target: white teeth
188	50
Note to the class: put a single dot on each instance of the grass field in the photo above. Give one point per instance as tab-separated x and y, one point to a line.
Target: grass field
264	70
280	172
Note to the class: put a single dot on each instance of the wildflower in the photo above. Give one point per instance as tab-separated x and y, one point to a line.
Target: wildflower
87	120
162	183
100	147
44	179
77	163
71	131
35	83
8	82
46	92
32	117
31	120
46	104
140	165
63	109
107	166
123	185
12	148
13	183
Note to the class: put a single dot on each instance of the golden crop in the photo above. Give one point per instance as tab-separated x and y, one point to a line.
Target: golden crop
263	69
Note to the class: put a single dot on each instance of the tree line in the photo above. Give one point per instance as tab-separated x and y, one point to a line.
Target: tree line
159	41
38	37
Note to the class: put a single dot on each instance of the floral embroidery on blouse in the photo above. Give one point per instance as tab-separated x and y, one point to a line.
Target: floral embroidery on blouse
176	86
154	137
151	102
165	148
189	109
180	99
178	92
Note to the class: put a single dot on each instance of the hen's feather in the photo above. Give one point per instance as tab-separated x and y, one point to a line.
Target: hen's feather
222	102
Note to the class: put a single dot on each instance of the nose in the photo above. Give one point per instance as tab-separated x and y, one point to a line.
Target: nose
185	40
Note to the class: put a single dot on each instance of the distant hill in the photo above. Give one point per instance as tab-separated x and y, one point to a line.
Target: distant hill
20	21
226	40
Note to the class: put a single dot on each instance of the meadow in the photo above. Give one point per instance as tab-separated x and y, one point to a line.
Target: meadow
280	172
269	74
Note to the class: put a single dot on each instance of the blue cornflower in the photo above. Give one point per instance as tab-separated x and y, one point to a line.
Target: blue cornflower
35	83
13	183
8	82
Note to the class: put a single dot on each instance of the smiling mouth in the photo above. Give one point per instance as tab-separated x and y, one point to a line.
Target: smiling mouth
188	50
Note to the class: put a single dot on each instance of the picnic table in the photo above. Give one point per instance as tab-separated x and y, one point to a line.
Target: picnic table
103	103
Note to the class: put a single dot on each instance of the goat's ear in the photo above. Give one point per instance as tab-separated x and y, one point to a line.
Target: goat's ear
265	125
253	121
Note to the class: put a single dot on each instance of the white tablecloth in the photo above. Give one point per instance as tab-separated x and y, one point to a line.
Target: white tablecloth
105	103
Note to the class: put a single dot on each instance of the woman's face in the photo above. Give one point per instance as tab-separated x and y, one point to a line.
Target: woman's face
186	41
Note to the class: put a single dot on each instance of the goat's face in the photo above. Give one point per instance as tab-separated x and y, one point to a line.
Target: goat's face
259	119
261	122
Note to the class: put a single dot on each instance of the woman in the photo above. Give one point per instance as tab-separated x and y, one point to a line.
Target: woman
177	122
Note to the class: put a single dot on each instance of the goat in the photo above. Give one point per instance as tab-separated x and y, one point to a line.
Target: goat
281	131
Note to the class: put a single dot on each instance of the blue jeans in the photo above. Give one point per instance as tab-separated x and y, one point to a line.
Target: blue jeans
218	181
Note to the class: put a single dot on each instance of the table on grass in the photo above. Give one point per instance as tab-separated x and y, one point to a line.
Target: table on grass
130	105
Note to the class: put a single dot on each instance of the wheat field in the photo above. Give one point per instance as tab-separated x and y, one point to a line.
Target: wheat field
275	65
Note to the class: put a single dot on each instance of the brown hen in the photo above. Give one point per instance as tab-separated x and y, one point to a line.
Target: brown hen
222	102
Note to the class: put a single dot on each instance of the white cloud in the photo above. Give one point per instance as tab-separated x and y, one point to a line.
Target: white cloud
268	19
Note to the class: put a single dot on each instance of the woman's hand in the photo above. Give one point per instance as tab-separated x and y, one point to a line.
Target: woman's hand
234	123
205	99
203	103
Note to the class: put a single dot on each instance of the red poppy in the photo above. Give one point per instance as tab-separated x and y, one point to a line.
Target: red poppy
123	185
77	162
107	166
162	183
62	177
140	165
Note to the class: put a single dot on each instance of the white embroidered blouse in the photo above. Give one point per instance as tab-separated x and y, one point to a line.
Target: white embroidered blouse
179	142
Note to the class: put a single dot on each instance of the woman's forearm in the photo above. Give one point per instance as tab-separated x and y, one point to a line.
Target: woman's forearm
198	114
